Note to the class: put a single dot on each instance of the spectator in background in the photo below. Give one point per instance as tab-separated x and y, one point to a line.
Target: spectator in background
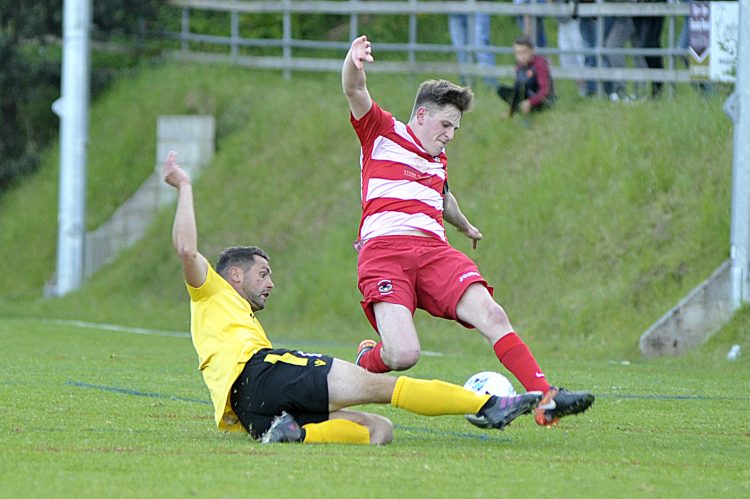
648	34
619	31
533	89
532	26
588	27
469	31
570	42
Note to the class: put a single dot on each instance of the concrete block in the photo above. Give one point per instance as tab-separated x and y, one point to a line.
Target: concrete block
193	139
694	319
97	251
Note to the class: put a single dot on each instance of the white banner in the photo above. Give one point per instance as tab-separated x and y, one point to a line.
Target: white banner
724	35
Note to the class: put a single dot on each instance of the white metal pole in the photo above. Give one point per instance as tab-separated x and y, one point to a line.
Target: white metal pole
73	109
740	226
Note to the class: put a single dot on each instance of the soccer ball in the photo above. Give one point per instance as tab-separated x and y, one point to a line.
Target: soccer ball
491	383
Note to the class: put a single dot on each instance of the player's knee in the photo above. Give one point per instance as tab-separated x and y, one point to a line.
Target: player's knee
493	314
380	428
401	360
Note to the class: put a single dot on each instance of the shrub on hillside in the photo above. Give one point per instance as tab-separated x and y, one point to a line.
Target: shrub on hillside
30	34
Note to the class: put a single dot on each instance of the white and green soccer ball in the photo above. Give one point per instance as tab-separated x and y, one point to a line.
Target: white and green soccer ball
490	383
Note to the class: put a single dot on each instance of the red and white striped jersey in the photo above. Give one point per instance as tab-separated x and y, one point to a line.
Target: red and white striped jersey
402	184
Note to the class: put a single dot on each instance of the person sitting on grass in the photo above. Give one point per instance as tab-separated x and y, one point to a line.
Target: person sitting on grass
280	395
533	89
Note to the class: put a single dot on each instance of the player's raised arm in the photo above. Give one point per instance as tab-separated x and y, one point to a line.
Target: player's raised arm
184	229
353	79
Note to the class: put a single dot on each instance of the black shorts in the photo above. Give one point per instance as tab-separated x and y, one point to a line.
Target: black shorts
276	380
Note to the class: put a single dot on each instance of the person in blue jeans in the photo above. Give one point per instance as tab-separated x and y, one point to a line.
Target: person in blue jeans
469	31
588	33
648	32
525	24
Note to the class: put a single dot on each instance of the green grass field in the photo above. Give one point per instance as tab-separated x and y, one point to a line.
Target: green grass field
92	412
598	217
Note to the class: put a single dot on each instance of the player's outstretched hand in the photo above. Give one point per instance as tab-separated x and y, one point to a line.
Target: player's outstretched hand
361	51
171	171
472	233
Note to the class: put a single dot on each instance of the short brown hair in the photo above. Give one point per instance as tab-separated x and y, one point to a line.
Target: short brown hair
238	256
441	93
524	40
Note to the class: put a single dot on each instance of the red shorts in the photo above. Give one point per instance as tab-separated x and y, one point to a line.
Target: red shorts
416	272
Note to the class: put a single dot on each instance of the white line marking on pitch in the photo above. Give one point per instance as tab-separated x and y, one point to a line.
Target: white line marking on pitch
115	327
155	332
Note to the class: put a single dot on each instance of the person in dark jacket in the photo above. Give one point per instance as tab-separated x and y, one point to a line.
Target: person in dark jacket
533	89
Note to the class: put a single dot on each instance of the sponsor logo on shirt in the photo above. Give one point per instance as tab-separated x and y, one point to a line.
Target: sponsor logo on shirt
467	275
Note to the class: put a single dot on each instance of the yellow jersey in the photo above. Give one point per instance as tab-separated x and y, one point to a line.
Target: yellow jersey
225	335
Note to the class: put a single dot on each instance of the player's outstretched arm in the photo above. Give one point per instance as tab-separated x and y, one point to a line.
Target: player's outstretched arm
453	215
184	229
353	79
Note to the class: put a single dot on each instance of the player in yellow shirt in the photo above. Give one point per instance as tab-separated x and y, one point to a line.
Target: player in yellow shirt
280	395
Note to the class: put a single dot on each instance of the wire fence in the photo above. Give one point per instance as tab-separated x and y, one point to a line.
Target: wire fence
289	53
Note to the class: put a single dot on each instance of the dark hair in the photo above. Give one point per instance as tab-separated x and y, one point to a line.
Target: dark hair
443	93
524	40
238	256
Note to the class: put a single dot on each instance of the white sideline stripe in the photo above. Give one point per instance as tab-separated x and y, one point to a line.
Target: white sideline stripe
115	327
154	332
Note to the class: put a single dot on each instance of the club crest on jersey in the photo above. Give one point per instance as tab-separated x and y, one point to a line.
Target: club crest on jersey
385	287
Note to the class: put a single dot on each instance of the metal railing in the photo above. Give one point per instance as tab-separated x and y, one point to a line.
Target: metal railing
289	61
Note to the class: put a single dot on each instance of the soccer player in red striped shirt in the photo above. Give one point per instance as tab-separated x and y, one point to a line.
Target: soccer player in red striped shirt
405	261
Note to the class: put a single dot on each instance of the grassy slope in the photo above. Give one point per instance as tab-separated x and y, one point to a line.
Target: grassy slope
597	218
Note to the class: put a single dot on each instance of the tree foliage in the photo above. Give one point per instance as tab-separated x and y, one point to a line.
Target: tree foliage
26	120
30	57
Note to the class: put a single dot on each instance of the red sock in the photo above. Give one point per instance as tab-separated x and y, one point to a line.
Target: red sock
518	359
373	362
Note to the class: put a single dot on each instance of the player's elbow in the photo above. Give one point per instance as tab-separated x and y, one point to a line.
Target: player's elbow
186	251
353	93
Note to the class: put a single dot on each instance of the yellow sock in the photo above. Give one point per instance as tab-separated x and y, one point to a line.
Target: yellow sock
435	397
341	431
